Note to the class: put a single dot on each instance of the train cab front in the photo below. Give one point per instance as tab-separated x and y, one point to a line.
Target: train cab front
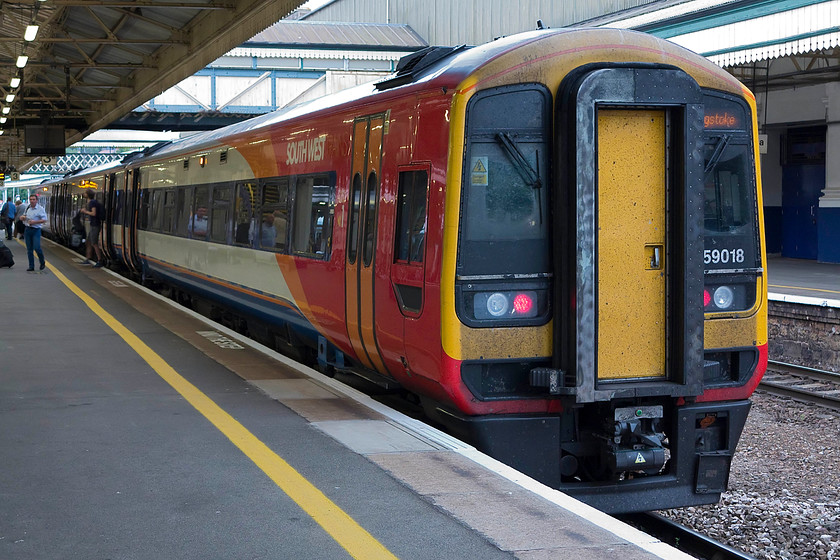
605	233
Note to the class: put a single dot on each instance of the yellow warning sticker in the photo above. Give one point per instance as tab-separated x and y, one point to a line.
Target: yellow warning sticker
640	459
478	172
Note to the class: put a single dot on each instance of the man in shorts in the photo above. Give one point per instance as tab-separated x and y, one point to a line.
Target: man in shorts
95	212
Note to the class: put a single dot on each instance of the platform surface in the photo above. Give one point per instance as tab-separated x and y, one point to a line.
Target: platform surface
803	281
132	429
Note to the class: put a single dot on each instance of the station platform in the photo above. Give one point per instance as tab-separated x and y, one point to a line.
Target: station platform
132	428
803	281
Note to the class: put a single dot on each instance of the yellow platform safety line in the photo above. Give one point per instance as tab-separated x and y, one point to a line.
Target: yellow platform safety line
803	288
338	524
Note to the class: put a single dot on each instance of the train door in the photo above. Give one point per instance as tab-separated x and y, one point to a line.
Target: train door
115	216
56	216
407	272
65	212
131	206
107	224
636	202
631	223
361	241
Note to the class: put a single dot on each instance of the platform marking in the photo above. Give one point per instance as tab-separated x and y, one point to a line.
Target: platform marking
221	340
803	288
339	525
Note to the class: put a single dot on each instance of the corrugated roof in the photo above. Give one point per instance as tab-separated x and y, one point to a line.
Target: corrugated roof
340	35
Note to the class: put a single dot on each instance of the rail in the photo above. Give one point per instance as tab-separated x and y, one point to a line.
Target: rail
682	538
804	384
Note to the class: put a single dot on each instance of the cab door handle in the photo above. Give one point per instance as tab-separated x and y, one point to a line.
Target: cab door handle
654	257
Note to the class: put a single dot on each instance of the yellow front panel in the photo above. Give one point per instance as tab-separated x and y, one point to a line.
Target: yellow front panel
631	244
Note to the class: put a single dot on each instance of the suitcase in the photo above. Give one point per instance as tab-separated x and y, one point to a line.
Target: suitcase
7	260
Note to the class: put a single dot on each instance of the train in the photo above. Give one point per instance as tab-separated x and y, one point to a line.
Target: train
553	242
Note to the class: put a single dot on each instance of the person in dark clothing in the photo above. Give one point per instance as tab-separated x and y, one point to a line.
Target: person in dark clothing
95	212
20	207
7	214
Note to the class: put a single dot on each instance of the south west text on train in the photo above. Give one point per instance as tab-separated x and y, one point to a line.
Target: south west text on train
553	240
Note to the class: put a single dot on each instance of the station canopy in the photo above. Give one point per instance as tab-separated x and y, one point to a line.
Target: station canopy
767	44
71	67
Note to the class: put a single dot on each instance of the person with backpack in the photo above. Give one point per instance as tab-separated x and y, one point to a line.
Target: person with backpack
95	212
7	215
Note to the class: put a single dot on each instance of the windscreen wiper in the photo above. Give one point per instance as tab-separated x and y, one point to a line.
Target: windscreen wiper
720	145
530	175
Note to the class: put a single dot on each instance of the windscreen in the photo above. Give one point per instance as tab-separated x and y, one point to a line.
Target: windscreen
505	199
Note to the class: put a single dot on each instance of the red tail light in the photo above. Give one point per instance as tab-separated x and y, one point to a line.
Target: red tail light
523	303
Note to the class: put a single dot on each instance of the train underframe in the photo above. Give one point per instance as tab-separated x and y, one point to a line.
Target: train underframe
619	456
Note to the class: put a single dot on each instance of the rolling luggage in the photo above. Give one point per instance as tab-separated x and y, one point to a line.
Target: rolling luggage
6	258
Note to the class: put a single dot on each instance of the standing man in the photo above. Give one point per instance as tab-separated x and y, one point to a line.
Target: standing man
95	211
7	214
34	217
19	227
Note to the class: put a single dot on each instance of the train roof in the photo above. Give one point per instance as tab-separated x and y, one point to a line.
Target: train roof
445	66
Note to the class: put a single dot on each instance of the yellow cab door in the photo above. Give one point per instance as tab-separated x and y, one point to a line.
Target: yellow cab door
631	243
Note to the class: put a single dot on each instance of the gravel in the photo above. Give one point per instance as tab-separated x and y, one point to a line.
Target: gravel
784	488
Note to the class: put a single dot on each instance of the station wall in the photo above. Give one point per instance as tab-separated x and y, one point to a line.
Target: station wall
800	175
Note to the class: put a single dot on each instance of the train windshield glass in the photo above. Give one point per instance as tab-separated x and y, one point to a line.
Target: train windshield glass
505	208
729	204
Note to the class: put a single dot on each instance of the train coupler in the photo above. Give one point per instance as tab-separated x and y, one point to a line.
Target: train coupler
637	442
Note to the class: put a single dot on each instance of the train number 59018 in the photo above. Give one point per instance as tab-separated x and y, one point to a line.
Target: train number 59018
723	256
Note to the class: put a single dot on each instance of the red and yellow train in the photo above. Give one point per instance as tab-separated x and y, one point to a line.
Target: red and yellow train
554	240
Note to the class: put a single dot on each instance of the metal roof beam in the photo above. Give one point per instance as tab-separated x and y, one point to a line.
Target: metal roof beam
131	4
211	34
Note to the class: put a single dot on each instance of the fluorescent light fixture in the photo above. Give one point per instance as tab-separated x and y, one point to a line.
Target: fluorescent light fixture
31	32
6	110
3	120
10	97
15	82
21	61
1	132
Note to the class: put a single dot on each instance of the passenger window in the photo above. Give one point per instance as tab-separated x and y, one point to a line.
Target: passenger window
182	211
411	216
168	211
370	218
143	217
353	225
312	224
199	221
246	197
220	217
118	202
274	215
155	210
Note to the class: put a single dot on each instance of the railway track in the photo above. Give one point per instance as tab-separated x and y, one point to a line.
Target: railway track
681	537
803	384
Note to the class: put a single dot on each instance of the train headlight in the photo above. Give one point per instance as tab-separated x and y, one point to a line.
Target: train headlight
724	296
497	304
728	296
